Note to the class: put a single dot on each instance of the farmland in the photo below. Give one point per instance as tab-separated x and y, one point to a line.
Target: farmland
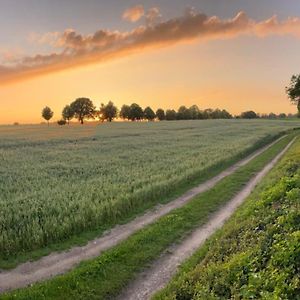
256	254
57	183
105	276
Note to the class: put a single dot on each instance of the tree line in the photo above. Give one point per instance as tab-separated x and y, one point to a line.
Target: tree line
83	109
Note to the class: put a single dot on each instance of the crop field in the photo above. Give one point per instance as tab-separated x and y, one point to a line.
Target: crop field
59	182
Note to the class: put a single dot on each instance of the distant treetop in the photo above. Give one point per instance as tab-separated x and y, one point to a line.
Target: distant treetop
47	113
293	91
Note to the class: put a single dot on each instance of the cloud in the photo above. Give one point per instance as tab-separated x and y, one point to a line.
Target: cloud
10	56
273	26
48	38
153	15
74	49
133	14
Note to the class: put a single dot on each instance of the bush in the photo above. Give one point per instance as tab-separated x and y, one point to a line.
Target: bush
249	115
62	122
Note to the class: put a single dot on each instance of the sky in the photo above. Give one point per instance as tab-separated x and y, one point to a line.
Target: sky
232	54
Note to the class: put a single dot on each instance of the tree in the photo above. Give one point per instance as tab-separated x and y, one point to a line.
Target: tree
201	115
171	114
194	112
108	112
272	116
149	114
125	112
216	114
136	112
83	109
99	113
183	113
282	115
293	91
220	114
249	115
47	114
68	113
225	114
208	113
160	113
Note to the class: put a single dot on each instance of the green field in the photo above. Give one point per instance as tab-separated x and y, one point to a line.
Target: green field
60	182
104	277
256	255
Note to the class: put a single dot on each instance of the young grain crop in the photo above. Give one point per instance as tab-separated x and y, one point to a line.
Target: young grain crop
105	276
57	183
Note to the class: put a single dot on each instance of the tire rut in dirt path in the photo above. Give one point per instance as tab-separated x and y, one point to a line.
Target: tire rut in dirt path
161	271
60	262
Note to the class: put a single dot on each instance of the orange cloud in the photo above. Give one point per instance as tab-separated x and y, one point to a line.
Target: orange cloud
10	56
134	14
77	49
273	26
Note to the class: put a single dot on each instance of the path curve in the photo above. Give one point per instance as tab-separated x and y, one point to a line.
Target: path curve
161	271
60	262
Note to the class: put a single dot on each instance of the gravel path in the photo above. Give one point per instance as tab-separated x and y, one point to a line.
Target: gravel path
161	271
60	262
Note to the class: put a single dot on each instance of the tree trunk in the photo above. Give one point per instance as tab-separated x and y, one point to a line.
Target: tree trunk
81	121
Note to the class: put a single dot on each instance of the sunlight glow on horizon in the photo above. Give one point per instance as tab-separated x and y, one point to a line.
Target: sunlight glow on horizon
244	73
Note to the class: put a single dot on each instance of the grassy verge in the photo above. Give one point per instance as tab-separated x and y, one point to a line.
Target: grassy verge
105	276
184	185
256	254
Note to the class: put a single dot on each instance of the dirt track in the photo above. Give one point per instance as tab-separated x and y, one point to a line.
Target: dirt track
158	275
60	262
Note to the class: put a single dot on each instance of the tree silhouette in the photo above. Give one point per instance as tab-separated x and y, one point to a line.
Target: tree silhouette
194	112
83	108
183	113
293	91
249	115
108	112
226	114
171	114
136	112
68	113
125	112
47	113
160	113
149	114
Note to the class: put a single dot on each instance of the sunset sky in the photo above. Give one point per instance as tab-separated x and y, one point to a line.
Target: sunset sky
232	54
